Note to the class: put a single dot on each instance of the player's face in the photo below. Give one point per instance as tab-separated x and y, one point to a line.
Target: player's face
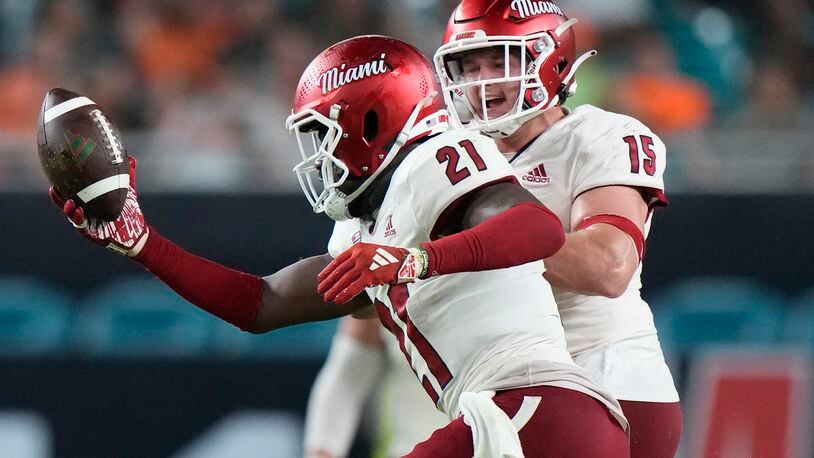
486	64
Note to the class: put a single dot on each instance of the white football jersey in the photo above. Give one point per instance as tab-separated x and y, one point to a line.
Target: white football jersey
471	331
587	149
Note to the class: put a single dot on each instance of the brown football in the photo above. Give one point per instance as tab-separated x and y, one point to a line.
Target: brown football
82	154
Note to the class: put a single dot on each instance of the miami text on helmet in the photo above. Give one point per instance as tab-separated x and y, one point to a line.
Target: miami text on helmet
339	76
527	8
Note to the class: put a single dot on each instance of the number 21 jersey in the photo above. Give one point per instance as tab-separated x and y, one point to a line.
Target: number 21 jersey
469	331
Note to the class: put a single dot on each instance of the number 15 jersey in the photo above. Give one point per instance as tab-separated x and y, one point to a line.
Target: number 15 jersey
614	338
470	331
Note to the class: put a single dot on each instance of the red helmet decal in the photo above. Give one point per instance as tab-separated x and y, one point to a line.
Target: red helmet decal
340	76
464	35
522	9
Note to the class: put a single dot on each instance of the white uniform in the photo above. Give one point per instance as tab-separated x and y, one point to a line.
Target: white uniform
613	338
471	331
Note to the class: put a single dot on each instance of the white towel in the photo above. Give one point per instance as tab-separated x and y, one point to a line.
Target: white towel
493	434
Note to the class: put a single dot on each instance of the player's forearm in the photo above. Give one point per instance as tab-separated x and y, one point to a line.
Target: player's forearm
231	295
290	297
244	300
599	260
524	233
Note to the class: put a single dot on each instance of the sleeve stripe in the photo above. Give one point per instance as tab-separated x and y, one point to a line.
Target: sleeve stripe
620	222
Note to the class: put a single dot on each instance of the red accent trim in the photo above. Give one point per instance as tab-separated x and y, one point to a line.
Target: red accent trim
231	295
398	295
387	321
620	222
654	197
425	382
436	365
452	207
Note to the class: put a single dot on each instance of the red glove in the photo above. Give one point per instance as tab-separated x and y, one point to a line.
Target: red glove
126	235
365	265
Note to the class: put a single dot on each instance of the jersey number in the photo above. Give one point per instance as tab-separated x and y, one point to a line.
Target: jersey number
450	155
649	161
436	366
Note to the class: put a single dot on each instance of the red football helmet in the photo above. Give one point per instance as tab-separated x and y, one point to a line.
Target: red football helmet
512	59
357	104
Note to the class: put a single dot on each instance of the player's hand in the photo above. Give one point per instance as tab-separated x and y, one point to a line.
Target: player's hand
366	264
126	235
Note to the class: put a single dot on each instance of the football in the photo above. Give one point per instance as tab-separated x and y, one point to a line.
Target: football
82	154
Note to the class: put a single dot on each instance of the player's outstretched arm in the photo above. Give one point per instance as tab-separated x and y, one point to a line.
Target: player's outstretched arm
603	251
498	226
354	365
249	302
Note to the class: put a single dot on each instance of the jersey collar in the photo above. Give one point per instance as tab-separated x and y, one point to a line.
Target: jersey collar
548	129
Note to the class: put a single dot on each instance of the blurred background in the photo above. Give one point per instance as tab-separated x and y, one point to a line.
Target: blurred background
97	358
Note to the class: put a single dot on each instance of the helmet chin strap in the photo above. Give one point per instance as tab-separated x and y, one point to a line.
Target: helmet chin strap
505	130
510	127
580	60
462	110
336	207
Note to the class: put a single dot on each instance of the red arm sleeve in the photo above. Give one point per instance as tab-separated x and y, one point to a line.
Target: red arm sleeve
524	233
230	295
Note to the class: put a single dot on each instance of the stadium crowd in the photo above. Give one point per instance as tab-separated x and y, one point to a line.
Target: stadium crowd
215	78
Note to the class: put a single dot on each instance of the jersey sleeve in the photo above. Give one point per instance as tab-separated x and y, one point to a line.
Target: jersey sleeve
629	154
446	171
344	235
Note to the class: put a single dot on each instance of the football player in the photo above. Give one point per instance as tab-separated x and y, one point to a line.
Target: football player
506	68
462	330
433	231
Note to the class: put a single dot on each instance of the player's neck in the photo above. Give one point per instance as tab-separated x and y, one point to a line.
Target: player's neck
529	130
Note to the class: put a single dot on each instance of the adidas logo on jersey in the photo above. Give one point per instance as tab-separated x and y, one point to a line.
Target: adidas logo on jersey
389	230
381	259
536	175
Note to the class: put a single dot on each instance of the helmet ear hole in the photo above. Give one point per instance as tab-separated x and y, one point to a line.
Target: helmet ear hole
371	125
561	66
